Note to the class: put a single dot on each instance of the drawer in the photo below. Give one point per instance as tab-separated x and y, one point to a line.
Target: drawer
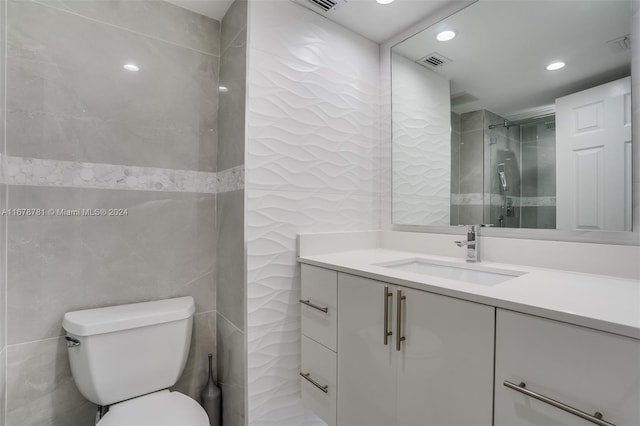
586	369
320	291
321	366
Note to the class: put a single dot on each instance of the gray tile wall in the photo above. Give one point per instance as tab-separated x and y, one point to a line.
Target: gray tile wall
455	165
231	120
539	172
231	297
3	229
68	98
471	154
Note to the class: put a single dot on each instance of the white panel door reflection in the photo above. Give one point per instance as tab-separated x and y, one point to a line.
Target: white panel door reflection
594	156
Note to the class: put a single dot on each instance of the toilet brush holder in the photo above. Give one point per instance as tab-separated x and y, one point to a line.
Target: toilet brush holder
211	398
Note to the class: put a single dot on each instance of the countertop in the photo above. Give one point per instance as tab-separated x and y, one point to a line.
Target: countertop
599	302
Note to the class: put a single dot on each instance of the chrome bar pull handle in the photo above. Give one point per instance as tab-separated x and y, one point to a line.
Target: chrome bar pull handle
399	337
387	295
593	418
307	376
314	306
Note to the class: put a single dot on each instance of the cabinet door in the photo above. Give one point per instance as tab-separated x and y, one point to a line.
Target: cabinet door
445	363
589	370
366	370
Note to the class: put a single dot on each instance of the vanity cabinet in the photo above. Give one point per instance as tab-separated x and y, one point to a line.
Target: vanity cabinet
319	323
586	369
435	367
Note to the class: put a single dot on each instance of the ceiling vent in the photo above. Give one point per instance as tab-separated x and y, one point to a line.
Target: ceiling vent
620	44
325	5
434	60
320	6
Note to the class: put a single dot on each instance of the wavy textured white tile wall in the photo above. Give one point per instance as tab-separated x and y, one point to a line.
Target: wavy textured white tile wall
421	144
312	160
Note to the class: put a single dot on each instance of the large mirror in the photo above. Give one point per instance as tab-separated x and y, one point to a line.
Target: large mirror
517	114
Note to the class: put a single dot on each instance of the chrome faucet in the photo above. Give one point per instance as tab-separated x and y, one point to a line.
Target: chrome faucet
473	252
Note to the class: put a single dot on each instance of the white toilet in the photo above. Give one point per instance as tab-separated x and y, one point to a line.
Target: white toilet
126	357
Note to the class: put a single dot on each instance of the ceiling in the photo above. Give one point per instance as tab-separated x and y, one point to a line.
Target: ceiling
378	22
212	8
502	48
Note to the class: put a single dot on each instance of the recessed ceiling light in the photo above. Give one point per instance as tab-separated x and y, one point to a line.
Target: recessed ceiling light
131	67
555	66
446	35
384	1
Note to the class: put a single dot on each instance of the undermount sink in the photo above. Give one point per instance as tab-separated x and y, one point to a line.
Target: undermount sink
475	274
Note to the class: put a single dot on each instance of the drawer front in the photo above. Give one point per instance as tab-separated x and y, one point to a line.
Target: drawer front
586	369
320	366
320	291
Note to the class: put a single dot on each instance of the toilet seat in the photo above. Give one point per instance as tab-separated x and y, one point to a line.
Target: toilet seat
162	408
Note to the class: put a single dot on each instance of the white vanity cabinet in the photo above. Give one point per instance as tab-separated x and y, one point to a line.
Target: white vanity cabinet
319	318
589	370
440	371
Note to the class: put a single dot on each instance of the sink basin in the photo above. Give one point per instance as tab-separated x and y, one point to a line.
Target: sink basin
475	274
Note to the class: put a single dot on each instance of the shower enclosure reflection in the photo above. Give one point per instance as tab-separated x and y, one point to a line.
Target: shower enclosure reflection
519	164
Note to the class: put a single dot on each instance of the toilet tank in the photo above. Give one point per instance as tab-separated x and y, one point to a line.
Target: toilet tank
128	350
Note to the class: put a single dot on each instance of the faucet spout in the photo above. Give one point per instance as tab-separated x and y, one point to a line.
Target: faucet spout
472	254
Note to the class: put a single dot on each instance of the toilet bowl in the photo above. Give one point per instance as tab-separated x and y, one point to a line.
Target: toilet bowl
126	357
161	408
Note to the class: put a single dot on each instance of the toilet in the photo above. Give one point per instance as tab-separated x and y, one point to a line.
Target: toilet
126	357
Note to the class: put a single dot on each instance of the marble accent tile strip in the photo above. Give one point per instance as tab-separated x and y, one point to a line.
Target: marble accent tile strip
42	172
497	200
230	179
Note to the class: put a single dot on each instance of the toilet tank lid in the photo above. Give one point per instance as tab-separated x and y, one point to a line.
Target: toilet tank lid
89	322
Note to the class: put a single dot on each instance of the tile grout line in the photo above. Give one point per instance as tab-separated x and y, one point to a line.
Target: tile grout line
230	322
235	37
4	225
70	12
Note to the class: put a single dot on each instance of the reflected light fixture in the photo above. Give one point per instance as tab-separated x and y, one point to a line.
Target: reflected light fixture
131	67
446	35
384	1
555	66
223	89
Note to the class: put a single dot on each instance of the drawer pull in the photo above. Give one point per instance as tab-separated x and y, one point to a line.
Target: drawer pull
399	337
387	333
324	388
314	306
522	388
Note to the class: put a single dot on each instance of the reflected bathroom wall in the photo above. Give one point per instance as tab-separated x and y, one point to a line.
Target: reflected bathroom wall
421	151
467	156
538	205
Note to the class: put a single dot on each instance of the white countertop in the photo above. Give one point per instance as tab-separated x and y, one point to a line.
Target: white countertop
600	302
